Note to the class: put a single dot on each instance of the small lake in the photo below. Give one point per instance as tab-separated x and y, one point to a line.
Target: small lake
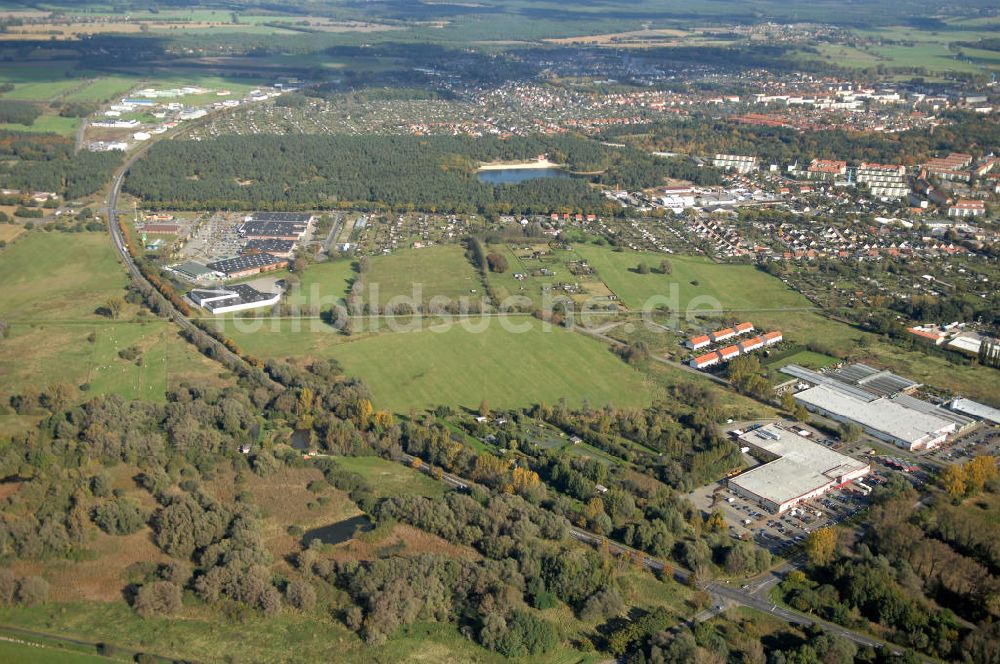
516	175
339	532
301	439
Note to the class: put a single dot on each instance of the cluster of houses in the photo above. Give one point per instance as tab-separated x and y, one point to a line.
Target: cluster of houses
953	336
728	352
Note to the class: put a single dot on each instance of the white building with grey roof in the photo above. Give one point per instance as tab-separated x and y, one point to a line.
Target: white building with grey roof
794	469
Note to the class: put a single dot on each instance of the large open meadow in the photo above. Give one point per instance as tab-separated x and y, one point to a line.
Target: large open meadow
700	283
438	271
434	364
54	285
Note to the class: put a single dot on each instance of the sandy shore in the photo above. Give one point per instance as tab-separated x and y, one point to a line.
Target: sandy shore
505	165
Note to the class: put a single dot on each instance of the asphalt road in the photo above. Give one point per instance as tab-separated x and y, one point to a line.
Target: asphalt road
755	597
225	355
721	591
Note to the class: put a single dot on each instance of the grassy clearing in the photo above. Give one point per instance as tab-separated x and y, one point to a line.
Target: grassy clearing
421	274
324	283
54	284
46	124
805	358
8	232
196	633
38	81
103	89
390	478
459	367
284	500
555	261
700	283
67	356
58	276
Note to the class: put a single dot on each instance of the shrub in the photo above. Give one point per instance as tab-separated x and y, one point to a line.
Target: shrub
301	595
119	517
160	598
32	590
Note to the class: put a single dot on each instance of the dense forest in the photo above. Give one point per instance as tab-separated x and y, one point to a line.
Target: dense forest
46	162
437	174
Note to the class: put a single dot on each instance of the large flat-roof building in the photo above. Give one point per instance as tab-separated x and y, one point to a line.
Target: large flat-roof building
194	272
794	469
279	248
736	162
886	418
234	298
244	266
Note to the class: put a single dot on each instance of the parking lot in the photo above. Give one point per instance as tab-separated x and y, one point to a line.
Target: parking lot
984	440
779	533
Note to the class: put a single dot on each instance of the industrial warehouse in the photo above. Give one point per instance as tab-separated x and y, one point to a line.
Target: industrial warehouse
260	242
879	402
246	265
234	298
793	469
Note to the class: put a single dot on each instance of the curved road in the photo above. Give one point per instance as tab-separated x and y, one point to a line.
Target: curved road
755	597
717	590
173	314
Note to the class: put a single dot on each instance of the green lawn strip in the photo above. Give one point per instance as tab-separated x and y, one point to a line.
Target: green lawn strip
699	282
390	478
29	651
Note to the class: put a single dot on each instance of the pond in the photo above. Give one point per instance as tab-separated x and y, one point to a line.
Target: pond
302	439
516	175
335	533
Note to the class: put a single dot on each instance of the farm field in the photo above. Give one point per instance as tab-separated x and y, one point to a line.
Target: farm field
55	283
103	89
39	81
323	283
421	274
457	367
701	284
46	124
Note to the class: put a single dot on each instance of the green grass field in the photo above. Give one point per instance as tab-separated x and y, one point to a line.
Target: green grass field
103	89
46	124
200	634
389	478
805	358
458	367
322	284
54	284
61	276
424	367
421	274
40	81
35	654
733	287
